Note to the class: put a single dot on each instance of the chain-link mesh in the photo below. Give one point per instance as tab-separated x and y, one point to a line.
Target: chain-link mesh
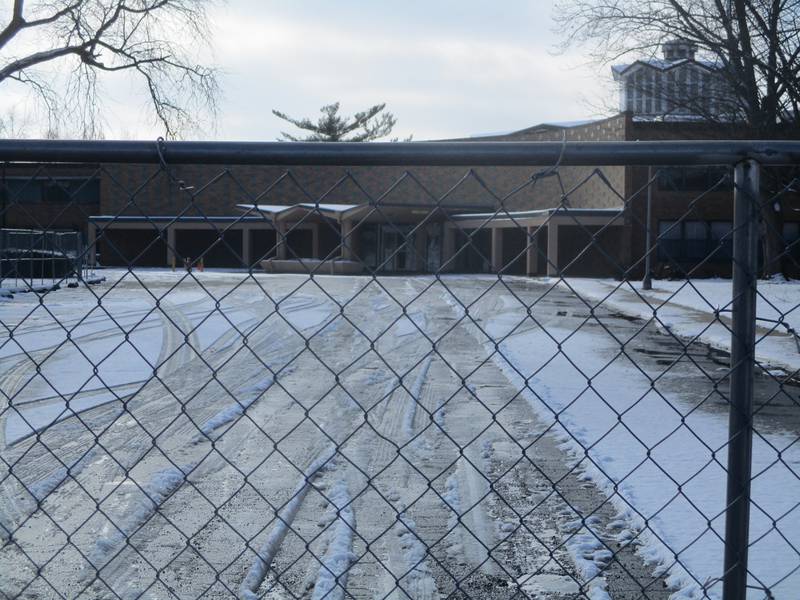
379	382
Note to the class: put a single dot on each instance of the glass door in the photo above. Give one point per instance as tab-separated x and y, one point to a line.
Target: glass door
397	248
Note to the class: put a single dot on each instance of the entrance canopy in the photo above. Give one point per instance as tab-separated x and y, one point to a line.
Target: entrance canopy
279	212
363	213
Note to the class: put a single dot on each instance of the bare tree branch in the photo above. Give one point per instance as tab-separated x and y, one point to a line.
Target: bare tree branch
755	45
755	42
147	38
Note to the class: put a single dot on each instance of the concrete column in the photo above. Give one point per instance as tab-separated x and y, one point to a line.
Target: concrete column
448	248
315	240
348	240
497	249
246	258
418	262
552	249
531	254
91	245
280	240
170	246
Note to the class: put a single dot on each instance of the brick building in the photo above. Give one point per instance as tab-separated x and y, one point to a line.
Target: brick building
141	215
479	220
579	221
497	207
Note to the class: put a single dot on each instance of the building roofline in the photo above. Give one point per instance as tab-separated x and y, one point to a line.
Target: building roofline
175	218
660	65
547	125
521	214
280	211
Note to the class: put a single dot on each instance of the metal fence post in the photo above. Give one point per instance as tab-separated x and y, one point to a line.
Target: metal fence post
740	446
647	281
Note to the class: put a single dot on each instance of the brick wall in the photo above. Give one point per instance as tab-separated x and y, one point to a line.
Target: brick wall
591	251
216	189
696	205
592	194
42	214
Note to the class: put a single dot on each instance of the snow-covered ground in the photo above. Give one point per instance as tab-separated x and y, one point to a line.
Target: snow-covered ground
641	428
700	308
278	436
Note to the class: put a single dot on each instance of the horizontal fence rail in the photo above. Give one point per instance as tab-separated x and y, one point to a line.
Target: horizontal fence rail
726	152
403	370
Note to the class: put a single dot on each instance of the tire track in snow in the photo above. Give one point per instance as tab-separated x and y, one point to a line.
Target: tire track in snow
284	519
237	408
414	399
467	494
214	465
176	347
133	514
585	550
331	338
212	471
366	375
269	348
27	368
65	322
398	561
333	572
14	510
19	375
24	371
400	552
467	489
125	444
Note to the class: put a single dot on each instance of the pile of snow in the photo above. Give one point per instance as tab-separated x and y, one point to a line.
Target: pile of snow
589	554
8	292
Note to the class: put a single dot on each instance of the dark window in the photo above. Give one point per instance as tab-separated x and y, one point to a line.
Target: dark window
791	232
695	234
56	192
368	242
791	235
23	190
82	191
670	236
694	241
692	179
722	240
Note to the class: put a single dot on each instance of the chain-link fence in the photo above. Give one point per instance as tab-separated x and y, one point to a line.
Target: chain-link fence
417	370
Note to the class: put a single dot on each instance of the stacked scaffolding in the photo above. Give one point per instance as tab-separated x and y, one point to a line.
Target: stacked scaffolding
32	259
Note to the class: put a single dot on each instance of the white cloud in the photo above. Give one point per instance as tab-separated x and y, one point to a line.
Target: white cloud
438	81
445	68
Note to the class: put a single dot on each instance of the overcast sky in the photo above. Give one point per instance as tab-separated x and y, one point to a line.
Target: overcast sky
445	68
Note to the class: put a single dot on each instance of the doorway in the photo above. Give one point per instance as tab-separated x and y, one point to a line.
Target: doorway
398	254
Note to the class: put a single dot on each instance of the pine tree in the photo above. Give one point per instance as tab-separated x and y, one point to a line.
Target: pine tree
364	126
